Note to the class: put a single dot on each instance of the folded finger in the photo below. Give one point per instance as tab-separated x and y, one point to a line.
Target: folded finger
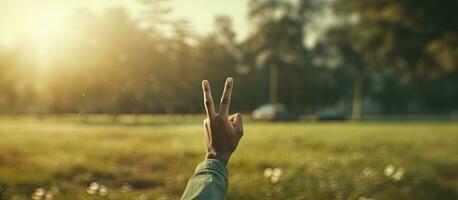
238	124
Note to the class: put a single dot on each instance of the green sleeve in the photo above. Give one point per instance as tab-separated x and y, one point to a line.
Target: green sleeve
208	182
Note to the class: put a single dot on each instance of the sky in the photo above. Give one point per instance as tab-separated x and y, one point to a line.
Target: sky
201	13
43	16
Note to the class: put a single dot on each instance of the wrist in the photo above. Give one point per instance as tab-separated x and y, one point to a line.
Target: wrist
222	158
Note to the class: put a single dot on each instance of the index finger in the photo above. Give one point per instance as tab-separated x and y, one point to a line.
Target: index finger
208	100
226	98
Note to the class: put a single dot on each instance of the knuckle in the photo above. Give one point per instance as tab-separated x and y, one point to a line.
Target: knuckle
220	119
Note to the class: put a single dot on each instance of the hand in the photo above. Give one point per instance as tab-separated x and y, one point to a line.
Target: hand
222	132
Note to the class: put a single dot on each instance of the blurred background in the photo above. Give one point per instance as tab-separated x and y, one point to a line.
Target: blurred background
335	57
93	93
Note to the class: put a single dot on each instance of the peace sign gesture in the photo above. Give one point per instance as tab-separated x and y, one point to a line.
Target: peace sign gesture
222	132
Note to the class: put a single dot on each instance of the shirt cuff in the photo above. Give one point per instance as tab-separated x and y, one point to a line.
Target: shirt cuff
212	165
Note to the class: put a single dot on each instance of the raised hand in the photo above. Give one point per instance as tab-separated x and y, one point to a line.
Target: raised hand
222	132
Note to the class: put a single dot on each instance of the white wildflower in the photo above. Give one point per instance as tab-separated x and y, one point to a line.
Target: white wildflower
126	187
389	170
274	179
273	174
277	172
399	174
268	172
38	194
103	190
93	188
367	171
393	173
49	195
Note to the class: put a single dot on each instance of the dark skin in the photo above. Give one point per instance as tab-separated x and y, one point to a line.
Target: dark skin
222	132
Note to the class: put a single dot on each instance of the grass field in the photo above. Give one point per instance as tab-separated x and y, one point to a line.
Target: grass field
152	158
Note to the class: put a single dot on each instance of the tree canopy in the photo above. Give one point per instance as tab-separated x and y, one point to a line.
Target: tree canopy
115	63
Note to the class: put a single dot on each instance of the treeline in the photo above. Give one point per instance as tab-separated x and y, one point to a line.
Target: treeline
109	64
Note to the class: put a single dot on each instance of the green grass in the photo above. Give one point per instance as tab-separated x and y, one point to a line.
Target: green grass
155	156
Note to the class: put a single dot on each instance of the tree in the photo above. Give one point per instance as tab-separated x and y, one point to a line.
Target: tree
416	37
7	93
217	54
278	42
340	53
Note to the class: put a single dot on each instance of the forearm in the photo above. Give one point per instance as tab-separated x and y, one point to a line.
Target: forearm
208	182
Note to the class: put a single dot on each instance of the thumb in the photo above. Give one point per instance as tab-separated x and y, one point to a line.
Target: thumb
231	118
238	124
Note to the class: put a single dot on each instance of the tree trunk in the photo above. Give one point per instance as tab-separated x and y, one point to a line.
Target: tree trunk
357	113
274	87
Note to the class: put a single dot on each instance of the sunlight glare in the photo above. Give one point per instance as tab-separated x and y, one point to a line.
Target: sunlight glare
45	28
7	41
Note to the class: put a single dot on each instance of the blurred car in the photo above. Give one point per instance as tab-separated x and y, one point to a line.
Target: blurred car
268	112
332	116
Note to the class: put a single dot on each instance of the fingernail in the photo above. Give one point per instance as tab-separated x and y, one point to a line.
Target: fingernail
205	83
229	79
